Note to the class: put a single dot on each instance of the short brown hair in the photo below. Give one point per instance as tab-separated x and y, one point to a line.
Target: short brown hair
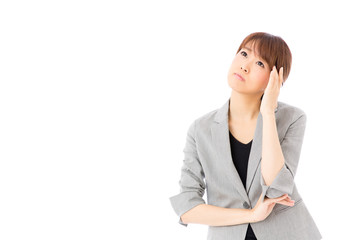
273	49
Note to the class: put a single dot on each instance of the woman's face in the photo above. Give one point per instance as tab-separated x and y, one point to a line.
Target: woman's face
253	69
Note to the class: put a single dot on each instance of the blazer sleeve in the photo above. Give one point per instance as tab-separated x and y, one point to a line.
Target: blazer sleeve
192	186
291	148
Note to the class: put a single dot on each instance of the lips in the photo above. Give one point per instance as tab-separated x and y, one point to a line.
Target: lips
238	76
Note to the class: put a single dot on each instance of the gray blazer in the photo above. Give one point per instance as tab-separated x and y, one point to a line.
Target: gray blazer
208	165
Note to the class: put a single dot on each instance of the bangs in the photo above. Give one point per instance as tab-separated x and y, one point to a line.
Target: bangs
263	49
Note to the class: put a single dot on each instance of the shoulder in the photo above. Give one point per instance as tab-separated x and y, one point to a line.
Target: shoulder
288	108
205	119
289	112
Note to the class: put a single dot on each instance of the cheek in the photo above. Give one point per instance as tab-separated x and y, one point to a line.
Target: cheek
263	79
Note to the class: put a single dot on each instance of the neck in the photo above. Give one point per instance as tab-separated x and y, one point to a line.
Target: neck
244	107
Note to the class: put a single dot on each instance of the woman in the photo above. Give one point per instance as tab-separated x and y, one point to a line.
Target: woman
245	154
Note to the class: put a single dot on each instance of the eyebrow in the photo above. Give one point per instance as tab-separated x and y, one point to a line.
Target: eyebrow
248	49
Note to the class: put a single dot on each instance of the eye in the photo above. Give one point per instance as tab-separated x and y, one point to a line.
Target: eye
245	54
261	64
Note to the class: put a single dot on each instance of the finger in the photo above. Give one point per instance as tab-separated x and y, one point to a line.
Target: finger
274	70
282	76
273	75
279	198
283	202
287	199
276	76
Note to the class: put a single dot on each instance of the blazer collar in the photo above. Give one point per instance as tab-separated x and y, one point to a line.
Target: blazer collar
220	138
222	113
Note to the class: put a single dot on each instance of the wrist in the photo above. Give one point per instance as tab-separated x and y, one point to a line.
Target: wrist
251	216
268	115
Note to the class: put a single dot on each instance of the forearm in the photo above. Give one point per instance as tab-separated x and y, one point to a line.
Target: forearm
217	216
272	156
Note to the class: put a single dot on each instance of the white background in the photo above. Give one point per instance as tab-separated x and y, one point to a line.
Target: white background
96	98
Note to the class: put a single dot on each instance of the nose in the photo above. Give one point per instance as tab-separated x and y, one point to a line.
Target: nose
244	69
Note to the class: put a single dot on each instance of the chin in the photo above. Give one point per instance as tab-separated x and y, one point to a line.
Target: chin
236	85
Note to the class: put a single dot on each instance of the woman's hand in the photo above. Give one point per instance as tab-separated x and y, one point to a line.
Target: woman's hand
271	93
263	209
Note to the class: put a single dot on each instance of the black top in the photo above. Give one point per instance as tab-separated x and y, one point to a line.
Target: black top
240	154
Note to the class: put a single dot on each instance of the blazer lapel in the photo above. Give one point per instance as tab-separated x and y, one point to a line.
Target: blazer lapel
255	152
220	138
